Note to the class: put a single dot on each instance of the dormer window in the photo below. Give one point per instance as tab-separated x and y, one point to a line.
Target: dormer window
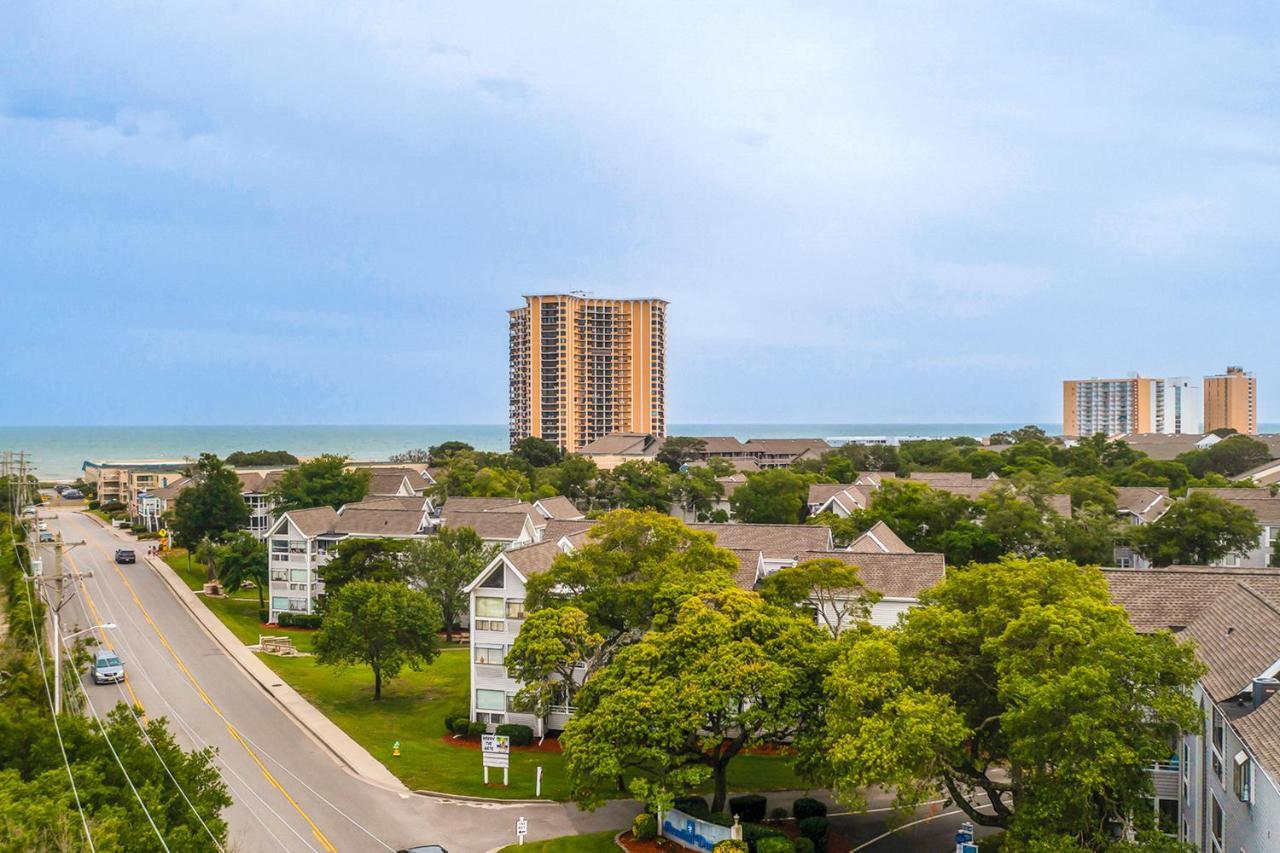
494	580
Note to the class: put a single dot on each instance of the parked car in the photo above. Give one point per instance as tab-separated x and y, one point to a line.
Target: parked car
42	526
107	667
46	536
126	555
73	495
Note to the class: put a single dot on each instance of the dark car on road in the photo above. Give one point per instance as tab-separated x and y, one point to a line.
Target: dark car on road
126	555
73	495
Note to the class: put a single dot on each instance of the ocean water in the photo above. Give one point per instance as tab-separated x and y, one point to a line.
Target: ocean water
59	451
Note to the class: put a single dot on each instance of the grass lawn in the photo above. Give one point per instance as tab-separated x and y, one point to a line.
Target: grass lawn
594	842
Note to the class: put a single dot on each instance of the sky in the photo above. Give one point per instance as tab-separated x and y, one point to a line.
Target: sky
292	213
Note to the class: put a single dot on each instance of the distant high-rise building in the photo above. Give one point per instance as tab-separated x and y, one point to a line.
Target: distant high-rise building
1138	404
583	367
1231	401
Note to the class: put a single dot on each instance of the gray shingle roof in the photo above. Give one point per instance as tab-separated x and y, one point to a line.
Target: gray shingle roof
1146	502
359	521
560	508
622	444
1238	638
314	521
775	540
892	575
1174	597
494	525
879	539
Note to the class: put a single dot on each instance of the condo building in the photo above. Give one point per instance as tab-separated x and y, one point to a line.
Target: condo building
1134	405
1231	401
583	367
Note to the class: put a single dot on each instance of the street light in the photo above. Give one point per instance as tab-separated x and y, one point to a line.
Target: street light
57	658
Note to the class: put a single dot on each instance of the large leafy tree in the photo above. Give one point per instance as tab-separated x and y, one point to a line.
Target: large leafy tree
211	507
633	571
323	481
1198	530
927	519
679	450
830	589
642	485
673	710
443	565
572	478
440	454
771	497
384	626
538	452
261	457
1017	684
1229	457
241	561
554	648
697	490
364	559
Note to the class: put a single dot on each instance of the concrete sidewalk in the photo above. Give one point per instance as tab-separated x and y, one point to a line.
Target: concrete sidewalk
343	748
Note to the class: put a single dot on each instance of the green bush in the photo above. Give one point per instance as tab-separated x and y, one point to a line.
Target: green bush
451	716
803	845
754	833
748	807
287	619
778	814
93	505
520	735
476	729
284	619
731	846
264	615
775	844
111	506
808	807
644	827
693	806
460	725
720	818
815	829
138	528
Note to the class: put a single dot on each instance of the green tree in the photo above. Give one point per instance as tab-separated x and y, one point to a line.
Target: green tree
1229	457
364	559
672	710
538	452
440	454
680	450
211	507
415	455
777	496
1088	537
385	626
323	481
1017	681
830	589
1016	522
573	477
444	565
643	485
697	490
241	561
499	483
1086	490
1199	530
242	458
554	652
631	573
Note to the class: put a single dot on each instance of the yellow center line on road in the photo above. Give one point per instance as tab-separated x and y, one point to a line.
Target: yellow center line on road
102	632
266	773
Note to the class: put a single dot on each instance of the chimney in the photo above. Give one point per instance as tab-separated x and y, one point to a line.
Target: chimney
1264	689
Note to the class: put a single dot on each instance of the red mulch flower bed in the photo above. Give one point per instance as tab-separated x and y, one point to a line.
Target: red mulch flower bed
551	744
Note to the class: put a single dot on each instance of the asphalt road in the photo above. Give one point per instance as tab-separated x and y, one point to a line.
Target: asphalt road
289	792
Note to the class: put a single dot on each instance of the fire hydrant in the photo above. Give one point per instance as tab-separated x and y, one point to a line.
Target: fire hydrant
395	749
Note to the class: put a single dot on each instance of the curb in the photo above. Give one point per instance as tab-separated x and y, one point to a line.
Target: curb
267	678
487	800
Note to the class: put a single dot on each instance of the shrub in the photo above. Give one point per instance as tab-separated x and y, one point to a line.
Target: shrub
460	725
803	845
111	506
731	846
775	844
476	729
285	619
815	829
720	818
264	615
808	807
138	528
754	833
644	827
748	807
693	806
520	735
93	505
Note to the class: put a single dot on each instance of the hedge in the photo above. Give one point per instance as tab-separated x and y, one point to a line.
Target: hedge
459	725
288	619
731	846
754	833
264	615
644	827
520	735
808	807
720	818
775	844
693	806
815	829
476	729
804	845
749	807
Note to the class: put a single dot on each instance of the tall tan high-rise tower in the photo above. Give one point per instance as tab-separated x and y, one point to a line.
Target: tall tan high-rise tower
1231	401
583	367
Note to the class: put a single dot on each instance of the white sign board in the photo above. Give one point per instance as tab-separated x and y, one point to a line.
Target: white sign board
496	749
690	832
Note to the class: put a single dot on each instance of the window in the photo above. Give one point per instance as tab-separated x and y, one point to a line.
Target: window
298	575
489	614
279	574
490	700
1242	777
1215	824
1167	816
280	545
1219	735
494	580
492	655
515	609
